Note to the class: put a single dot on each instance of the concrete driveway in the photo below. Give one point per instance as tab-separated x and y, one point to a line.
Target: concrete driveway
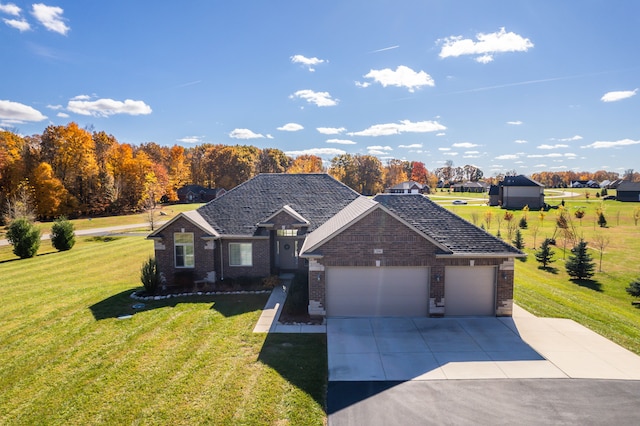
522	347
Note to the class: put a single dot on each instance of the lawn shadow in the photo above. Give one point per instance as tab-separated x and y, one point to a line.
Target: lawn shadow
549	269
301	359
590	284
37	255
121	304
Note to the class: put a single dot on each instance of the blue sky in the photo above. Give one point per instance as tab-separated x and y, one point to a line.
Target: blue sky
502	85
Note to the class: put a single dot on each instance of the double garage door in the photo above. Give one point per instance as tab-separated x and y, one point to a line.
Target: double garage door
404	291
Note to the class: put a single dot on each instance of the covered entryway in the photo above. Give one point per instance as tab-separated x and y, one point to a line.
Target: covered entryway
470	290
383	291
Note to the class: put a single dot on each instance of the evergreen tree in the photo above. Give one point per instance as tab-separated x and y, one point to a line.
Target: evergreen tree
602	221
62	235
24	236
634	288
545	254
580	265
518	242
523	223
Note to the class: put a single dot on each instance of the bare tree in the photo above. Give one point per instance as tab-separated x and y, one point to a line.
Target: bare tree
600	242
533	230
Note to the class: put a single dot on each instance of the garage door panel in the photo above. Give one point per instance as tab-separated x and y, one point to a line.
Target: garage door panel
469	290
361	291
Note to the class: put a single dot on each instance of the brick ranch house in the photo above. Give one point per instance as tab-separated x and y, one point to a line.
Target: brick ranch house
390	255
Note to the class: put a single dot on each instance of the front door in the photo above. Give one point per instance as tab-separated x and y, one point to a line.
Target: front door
287	253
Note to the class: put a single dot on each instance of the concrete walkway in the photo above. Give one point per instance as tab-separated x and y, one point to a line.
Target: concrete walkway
522	347
268	321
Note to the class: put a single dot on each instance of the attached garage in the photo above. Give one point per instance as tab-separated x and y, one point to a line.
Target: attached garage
470	290
377	291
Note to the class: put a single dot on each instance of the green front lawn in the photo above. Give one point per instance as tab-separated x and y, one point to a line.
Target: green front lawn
68	359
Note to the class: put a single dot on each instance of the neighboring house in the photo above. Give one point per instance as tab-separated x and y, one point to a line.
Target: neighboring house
198	194
409	187
476	187
391	255
628	191
519	191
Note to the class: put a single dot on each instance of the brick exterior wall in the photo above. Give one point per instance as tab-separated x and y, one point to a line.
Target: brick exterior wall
164	251
401	246
261	265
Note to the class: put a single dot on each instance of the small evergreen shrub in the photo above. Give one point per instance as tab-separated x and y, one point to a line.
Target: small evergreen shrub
25	238
150	276
545	254
518	241
523	223
580	265
602	221
62	234
634	288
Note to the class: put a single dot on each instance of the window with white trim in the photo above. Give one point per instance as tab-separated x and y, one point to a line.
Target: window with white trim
287	232
240	254
183	249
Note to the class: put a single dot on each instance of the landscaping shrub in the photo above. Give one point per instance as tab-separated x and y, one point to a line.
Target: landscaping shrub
298	296
270	282
545	254
523	223
518	242
602	221
62	236
634	288
150	276
24	236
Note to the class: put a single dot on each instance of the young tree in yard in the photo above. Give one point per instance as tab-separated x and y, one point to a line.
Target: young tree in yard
579	214
62	235
533	230
580	265
518	242
24	236
487	218
545	254
600	242
634	288
636	215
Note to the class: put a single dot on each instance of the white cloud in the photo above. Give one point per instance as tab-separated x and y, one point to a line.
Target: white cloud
10	9
515	123
520	141
377	152
618	96
50	17
291	127
191	139
269	136
571	139
330	130
405	126
380	148
552	155
62	115
16	113
321	99
412	146
244	134
441	134
444	149
341	141
19	24
464	145
486	45
55	107
507	157
556	146
363	84
308	62
107	107
402	77
615	144
81	98
317	151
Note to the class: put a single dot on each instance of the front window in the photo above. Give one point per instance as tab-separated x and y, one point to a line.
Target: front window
240	254
287	232
183	243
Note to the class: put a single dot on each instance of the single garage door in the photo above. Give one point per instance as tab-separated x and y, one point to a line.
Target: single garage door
368	291
469	290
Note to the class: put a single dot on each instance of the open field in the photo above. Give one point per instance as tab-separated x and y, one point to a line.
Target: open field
68	359
602	303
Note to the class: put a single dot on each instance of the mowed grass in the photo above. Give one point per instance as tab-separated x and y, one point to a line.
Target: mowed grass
602	304
68	359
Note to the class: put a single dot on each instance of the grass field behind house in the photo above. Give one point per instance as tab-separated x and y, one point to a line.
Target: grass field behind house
602	303
68	359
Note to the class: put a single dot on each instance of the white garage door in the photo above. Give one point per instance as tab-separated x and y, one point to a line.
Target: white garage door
469	290
368	291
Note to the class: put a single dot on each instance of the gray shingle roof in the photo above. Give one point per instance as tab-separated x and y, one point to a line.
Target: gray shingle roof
316	197
443	226
520	180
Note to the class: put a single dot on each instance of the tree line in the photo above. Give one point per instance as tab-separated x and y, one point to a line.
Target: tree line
71	171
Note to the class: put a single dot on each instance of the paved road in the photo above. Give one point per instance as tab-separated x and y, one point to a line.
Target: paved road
99	231
485	402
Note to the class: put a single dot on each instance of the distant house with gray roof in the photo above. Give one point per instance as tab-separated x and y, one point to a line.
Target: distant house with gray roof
409	187
391	255
628	191
519	191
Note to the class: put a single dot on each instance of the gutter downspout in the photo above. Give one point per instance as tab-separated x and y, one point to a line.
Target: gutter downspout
221	262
